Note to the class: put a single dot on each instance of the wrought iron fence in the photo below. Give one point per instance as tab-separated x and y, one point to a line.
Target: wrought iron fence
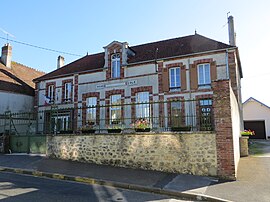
157	116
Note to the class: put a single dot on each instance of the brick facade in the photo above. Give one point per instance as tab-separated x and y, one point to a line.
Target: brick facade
223	127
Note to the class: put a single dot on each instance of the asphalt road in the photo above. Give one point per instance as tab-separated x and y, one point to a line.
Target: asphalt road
16	187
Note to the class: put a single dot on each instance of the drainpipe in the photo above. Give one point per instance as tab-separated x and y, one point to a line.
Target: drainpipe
189	94
227	65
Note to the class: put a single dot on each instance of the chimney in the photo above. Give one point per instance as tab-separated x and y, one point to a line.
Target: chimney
60	61
6	55
231	31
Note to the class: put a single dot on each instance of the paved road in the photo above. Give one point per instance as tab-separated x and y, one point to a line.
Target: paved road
16	187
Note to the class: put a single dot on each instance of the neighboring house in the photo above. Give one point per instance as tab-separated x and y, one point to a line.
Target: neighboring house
256	117
16	85
178	69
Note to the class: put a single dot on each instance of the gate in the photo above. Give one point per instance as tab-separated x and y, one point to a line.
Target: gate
28	144
20	131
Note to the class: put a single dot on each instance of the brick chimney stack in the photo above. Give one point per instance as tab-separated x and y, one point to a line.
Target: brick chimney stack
231	31
60	61
6	55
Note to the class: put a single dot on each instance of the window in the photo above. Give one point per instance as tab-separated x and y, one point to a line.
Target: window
205	114
175	79
51	93
176	119
115	67
68	91
143	106
115	109
204	75
91	112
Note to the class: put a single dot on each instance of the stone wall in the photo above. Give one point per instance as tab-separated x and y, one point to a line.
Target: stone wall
193	153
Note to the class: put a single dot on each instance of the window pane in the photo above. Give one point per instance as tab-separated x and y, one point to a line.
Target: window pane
143	109
172	76
115	111
177	77
207	73
91	110
115	66
201	74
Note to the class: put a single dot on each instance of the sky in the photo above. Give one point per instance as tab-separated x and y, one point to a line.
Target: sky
86	26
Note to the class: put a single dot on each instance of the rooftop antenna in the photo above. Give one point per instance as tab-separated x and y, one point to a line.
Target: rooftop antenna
227	18
7	33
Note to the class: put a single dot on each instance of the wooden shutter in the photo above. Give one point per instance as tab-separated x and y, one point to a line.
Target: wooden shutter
213	71
193	77
183	78
165	79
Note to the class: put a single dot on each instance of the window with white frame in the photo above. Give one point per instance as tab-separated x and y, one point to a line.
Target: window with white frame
115	109
51	93
175	79
142	106
204	78
115	66
68	91
91	112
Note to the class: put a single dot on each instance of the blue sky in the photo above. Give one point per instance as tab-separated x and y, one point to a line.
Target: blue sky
83	26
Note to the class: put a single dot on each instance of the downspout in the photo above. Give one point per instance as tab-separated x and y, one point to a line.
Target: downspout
227	65
189	95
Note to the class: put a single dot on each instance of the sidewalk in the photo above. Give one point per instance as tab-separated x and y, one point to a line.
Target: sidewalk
184	186
252	183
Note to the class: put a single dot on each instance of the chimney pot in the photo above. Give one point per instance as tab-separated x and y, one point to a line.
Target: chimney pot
60	61
6	55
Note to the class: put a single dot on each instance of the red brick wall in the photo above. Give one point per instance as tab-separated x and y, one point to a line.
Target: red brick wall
232	72
223	127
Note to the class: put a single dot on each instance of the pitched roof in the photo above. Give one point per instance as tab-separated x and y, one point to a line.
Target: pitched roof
146	52
255	100
18	78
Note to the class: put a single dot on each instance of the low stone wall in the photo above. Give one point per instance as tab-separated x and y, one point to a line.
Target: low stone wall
179	153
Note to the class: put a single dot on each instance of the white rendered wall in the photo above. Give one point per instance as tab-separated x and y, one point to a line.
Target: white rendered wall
253	110
235	127
15	102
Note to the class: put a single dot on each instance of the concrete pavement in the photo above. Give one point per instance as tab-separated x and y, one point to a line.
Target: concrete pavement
252	183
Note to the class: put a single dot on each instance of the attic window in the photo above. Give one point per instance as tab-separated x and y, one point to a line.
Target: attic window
115	66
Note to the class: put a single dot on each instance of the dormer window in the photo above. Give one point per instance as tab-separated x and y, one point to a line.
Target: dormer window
115	66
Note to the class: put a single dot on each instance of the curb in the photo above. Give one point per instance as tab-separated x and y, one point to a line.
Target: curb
88	180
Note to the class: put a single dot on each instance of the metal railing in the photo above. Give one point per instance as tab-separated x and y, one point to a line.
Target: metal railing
156	116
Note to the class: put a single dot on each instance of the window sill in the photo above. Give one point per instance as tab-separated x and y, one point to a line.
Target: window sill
204	86
175	89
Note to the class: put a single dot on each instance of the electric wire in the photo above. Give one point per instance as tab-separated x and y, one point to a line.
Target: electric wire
39	47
